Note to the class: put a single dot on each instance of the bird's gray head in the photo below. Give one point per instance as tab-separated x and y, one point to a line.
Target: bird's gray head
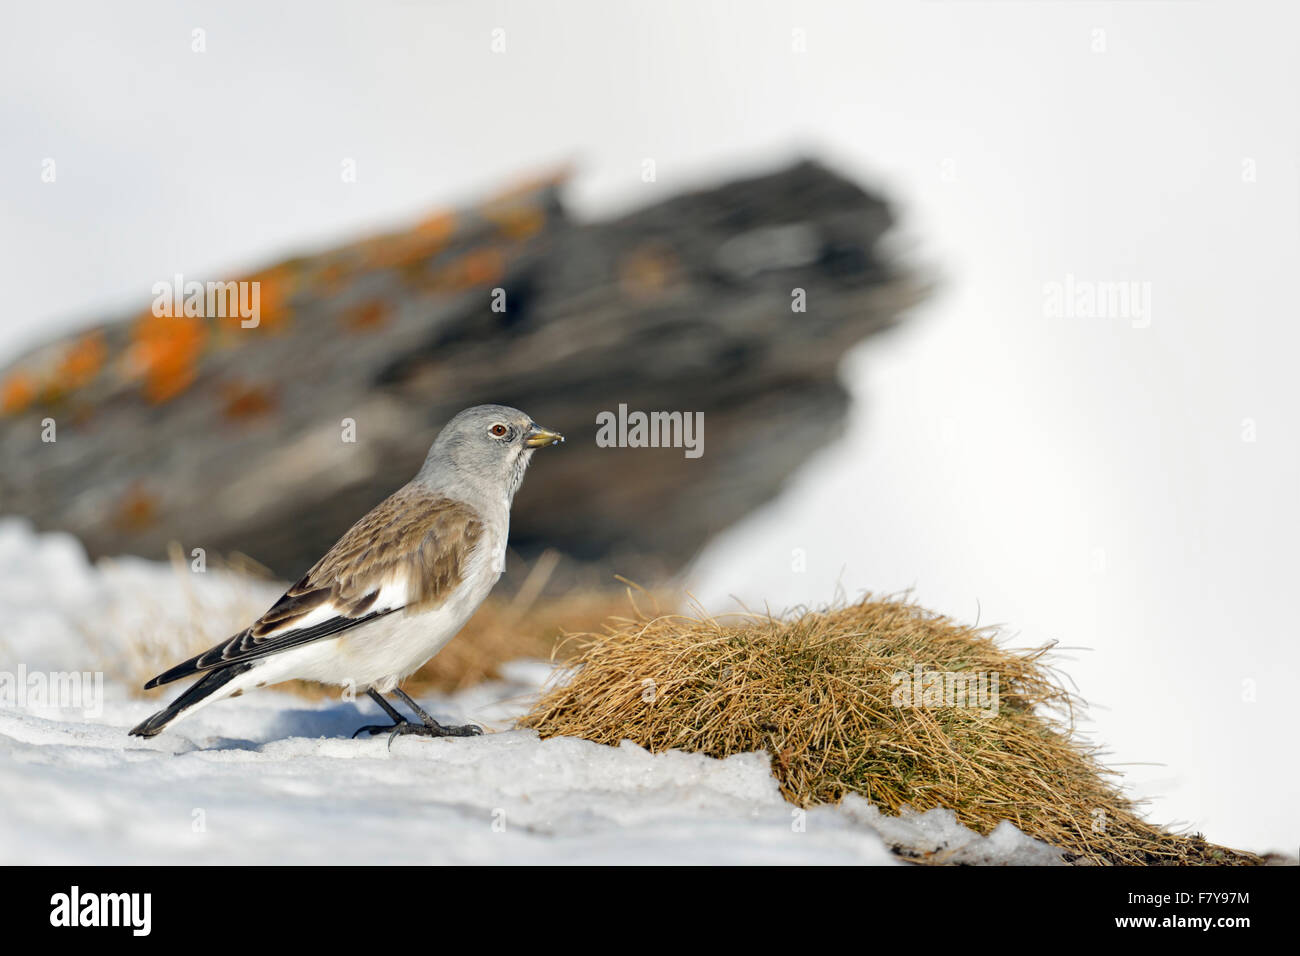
485	448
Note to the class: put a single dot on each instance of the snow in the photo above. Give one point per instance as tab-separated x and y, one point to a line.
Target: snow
273	778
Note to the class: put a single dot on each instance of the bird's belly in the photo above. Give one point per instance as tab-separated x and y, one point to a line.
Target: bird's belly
397	645
379	654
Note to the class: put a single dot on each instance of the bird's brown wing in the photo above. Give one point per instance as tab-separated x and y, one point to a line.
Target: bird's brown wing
409	553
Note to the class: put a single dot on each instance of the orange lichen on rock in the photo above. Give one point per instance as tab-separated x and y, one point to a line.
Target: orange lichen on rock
648	271
136	510
477	267
529	186
482	266
165	352
417	245
269	293
82	361
276	285
441	225
519	210
334	276
243	401
367	317
517	222
17	393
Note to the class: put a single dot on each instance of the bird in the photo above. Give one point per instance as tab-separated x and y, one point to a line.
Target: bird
393	590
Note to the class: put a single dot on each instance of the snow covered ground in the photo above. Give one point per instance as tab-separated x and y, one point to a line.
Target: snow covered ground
272	778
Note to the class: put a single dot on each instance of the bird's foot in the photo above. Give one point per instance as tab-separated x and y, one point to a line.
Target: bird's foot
404	728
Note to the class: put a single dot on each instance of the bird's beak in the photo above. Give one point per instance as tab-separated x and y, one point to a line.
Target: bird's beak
539	437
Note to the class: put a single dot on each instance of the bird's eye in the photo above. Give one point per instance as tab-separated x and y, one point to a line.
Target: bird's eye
498	431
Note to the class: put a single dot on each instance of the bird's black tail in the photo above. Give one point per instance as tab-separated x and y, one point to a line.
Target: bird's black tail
206	685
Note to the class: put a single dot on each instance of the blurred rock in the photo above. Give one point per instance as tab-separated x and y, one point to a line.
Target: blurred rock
198	430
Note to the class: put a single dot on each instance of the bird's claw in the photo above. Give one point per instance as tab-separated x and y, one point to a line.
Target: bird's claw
405	728
372	729
464	730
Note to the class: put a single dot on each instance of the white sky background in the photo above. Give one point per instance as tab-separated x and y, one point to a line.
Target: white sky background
1078	480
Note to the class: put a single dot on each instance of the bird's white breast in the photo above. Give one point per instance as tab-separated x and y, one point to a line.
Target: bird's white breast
383	651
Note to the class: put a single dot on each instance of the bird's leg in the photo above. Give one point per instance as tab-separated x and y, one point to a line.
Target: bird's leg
401	726
388	708
464	730
373	729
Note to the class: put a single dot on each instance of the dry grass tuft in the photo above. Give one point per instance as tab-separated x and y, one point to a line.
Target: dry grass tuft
818	692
